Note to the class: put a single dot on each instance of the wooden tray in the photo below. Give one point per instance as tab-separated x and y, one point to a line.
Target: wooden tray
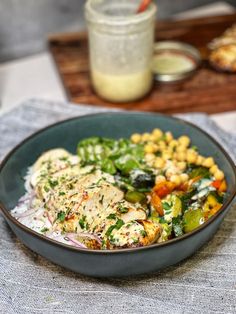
207	90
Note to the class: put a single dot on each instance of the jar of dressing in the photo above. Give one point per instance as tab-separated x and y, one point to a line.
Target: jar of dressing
121	48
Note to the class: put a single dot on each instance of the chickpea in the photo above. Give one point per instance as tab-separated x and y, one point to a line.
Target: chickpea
155	147
145	137
168	137
175	156
162	145
175	179
136	138
166	155
184	140
169	150
159	162
149	148
157	133
200	160
191	157
213	169
152	138
208	162
173	143
183	177
219	175
159	179
181	156
181	165
170	172
180	148
149	157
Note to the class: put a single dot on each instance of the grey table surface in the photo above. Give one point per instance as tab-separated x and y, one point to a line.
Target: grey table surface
203	283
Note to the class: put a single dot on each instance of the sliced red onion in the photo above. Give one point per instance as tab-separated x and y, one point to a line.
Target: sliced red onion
71	237
31	198
27	213
49	217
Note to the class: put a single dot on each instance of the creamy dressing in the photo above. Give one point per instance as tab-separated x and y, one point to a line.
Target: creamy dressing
168	62
121	88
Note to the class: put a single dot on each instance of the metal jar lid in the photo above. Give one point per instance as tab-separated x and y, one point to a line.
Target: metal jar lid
174	60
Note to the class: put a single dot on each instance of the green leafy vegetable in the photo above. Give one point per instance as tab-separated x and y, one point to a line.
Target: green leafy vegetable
111	216
186	199
82	222
198	171
166	206
52	183
143	233
44	229
219	197
177	225
61	216
122	209
117	226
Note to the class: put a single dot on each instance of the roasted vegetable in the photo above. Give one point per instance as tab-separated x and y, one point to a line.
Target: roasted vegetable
192	219
163	188
135	197
141	179
211	206
156	203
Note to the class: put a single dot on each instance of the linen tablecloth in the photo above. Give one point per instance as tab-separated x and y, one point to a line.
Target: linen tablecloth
203	283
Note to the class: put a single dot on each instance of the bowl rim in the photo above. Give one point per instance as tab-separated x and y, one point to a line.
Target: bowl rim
33	233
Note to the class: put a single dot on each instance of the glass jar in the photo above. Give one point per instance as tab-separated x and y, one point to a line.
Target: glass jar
121	48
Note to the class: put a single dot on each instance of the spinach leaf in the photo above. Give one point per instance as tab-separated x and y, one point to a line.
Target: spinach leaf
198	171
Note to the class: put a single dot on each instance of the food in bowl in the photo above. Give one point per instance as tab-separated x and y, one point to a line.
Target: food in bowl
124	193
223	51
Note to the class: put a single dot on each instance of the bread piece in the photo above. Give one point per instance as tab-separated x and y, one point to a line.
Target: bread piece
224	58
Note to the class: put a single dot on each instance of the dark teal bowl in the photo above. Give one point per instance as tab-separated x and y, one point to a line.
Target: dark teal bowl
118	262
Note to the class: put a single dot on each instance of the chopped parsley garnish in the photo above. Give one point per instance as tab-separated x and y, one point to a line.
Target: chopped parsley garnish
63	158
82	222
135	240
162	220
167	207
112	239
52	183
143	233
61	193
111	216
61	216
122	209
46	189
44	229
117	226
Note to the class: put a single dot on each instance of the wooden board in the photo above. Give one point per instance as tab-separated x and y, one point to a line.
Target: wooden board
207	90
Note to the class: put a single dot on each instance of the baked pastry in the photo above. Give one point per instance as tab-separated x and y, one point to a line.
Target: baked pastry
223	55
224	58
228	37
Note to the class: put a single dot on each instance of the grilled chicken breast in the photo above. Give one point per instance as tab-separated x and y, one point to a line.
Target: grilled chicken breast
84	202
